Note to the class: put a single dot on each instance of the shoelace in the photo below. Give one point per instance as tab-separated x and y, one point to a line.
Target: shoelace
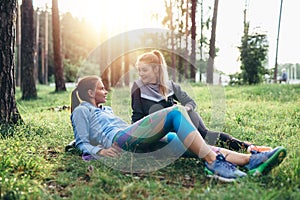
263	154
222	159
254	152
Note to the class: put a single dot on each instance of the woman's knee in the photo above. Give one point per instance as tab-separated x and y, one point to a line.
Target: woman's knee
180	108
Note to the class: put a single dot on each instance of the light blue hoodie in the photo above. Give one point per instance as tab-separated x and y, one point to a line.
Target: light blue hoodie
94	128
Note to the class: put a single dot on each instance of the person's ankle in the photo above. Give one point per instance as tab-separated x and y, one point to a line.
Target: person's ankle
210	158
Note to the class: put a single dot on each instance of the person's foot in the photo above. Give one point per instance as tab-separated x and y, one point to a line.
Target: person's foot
258	148
223	170
264	162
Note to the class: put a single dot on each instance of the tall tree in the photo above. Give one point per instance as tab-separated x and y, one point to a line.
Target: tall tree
212	46
42	47
168	20
126	69
36	49
186	38
193	35
126	60
172	28
57	50
254	51
18	45
8	14
45	67
27	51
201	40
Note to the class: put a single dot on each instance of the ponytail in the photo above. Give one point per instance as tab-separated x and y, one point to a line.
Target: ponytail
163	74
80	93
75	99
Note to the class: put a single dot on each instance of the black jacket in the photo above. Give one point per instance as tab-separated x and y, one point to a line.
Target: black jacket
144	104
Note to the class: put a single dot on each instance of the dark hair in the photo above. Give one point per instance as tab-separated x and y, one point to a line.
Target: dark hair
80	93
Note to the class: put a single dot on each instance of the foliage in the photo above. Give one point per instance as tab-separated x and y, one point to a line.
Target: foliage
34	164
70	71
236	79
253	55
79	38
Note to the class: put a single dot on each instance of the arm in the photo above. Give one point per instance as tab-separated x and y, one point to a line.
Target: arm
183	98
81	127
136	104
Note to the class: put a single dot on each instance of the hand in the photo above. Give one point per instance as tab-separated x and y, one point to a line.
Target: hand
188	108
113	151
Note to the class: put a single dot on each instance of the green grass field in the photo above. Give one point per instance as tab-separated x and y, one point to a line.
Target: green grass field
34	164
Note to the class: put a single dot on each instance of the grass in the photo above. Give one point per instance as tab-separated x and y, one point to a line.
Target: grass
34	164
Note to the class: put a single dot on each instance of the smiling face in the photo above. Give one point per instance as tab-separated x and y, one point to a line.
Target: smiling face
100	93
148	73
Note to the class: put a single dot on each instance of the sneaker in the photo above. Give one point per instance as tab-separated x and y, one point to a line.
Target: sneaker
223	170
258	148
262	163
70	146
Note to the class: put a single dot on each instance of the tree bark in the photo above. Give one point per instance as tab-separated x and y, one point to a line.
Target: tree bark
173	65
36	49
126	70
58	65
18	43
193	35
212	47
201	40
186	64
27	51
46	49
8	14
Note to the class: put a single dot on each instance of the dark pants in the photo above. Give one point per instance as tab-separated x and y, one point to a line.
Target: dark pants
216	138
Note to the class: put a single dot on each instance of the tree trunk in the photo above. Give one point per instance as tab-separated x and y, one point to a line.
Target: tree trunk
126	60
8	107
46	49
116	72
27	51
193	34
186	64
126	70
201	40
212	47
57	50
18	41
173	66
36	50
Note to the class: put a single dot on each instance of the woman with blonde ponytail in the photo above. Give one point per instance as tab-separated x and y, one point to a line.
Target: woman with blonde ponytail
154	91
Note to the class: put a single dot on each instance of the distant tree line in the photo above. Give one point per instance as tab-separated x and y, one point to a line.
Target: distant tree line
57	48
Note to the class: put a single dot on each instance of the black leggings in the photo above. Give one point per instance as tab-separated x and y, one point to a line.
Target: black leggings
219	139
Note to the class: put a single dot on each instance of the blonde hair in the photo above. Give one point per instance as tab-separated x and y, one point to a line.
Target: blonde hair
156	59
80	93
